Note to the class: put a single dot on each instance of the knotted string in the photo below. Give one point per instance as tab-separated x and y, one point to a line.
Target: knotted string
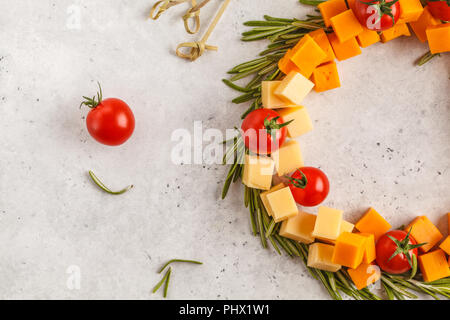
162	6
199	47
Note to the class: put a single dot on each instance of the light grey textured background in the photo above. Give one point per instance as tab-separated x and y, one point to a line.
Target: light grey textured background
383	138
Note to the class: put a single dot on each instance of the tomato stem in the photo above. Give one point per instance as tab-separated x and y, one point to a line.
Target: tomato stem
95	100
272	126
404	247
299	183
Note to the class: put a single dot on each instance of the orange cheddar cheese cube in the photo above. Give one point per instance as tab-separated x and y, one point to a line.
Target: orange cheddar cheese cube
372	222
326	77
439	38
320	256
367	38
370	251
264	200
328	223
351	5
344	50
307	55
396	31
448	218
434	265
349	250
320	37
365	275
424	231
299	227
301	122
420	26
288	158
346	26
268	98
282	204
410	10
445	245
331	8
286	65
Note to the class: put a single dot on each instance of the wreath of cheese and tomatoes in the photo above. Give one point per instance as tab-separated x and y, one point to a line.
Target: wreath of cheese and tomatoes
345	257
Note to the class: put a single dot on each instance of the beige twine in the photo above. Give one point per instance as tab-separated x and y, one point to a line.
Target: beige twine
199	47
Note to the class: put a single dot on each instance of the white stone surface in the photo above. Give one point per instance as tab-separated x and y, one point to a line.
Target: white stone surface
383	138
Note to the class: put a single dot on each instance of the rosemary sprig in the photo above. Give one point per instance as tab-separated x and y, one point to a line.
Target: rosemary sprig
426	57
178	260
105	188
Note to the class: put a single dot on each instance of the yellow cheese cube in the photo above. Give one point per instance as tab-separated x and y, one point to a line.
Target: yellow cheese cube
269	99
258	172
410	10
301	123
299	227
345	227
282	204
328	223
288	158
320	256
294	87
264	197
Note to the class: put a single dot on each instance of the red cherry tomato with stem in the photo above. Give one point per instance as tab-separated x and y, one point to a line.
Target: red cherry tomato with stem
110	121
264	131
377	15
396	252
440	9
309	186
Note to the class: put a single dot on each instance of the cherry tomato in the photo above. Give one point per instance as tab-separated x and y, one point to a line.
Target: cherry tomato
378	15
264	131
401	244
440	9
309	186
110	121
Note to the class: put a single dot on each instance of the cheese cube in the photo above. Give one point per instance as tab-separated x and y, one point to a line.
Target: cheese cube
258	172
434	266
439	38
346	26
299	227
269	99
282	204
445	245
301	123
328	223
424	231
410	10
420	26
448	220
307	55
349	250
372	222
264	200
320	37
367	38
319	257
345	227
286	65
396	31
331	8
365	275
370	251
326	77
288	158
294	87
344	50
